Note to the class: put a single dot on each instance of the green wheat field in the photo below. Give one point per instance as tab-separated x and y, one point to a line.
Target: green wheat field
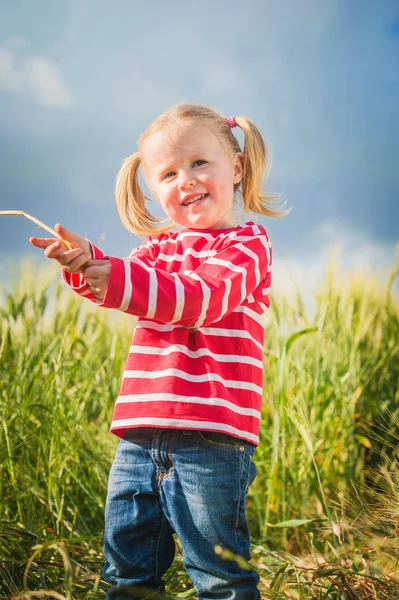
324	509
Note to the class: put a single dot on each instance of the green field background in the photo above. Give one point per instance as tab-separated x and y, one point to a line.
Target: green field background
324	508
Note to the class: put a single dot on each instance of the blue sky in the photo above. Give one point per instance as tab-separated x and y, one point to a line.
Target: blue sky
81	79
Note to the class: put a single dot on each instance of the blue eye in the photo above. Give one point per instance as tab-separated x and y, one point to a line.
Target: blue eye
172	172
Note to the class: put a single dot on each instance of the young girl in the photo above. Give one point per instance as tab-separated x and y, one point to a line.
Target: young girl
189	405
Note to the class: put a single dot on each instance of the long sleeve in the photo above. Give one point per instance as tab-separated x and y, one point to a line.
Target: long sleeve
77	281
195	298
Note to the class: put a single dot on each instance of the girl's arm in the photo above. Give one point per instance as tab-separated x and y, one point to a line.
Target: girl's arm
74	262
192	299
77	280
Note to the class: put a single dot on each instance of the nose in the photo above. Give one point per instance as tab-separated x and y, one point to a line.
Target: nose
186	180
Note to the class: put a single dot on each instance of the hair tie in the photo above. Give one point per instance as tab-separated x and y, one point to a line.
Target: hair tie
231	122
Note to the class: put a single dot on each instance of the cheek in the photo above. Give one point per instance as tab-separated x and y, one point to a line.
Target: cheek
224	186
163	194
210	181
168	201
221	179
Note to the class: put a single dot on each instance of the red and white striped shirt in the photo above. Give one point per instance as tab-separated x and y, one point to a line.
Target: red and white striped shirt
196	359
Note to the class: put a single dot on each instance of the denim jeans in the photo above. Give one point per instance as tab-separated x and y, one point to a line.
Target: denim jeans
194	484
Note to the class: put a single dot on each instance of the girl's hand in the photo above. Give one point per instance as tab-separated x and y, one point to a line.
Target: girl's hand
96	273
70	260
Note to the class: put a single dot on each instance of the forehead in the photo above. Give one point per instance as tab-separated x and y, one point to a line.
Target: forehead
171	145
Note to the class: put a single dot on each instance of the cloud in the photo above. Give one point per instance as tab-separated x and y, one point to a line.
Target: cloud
346	249
32	75
358	250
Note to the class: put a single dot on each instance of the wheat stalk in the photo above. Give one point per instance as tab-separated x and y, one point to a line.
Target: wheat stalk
40	223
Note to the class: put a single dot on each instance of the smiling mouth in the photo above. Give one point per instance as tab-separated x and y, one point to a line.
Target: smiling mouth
196	200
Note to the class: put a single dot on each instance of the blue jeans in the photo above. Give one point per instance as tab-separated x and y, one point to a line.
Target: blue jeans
192	483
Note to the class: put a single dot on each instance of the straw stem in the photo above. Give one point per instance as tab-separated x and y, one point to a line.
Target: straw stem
40	223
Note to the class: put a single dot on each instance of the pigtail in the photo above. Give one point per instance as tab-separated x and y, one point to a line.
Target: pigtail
130	201
255	162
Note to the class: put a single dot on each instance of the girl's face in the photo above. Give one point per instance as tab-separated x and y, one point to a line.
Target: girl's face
190	162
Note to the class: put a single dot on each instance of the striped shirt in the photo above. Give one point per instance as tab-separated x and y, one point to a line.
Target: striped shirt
196	358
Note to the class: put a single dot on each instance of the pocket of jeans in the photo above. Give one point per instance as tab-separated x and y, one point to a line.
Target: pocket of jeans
252	472
219	440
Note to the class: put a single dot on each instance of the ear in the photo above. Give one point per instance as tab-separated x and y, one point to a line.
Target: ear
238	167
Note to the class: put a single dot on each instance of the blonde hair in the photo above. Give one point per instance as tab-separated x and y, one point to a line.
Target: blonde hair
130	198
